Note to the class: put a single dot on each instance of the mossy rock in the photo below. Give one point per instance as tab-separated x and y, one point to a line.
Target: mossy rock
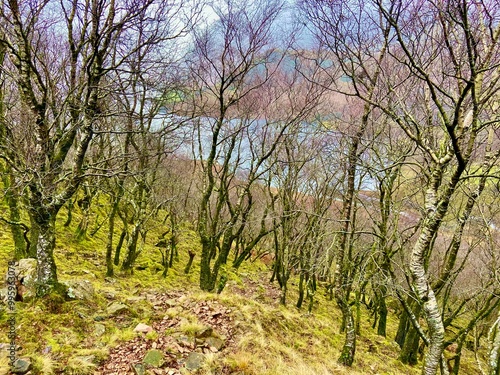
153	358
117	308
194	361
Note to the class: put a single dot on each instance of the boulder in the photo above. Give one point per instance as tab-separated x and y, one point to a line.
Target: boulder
135	299
204	332
21	366
116	308
153	358
143	328
194	361
138	369
25	271
24	278
170	303
79	289
99	329
214	344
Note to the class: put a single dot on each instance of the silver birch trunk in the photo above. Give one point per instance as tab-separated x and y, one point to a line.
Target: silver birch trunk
494	359
422	287
46	265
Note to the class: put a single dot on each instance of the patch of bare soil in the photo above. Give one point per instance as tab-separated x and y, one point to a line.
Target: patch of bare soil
170	340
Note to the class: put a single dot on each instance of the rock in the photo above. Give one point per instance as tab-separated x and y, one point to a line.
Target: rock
87	272
135	299
109	295
21	366
25	277
5	347
153	358
99	329
194	361
138	369
25	271
186	341
214	344
143	328
79	289
4	292
47	350
99	318
170	303
204	332
116	308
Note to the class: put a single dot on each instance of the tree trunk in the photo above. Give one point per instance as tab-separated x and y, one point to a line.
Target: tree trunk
34	232
46	266
349	349
430	306
128	263
190	262
109	242
494	355
311	290
404	323
207	283
8	178
69	217
382	311
409	351
119	245
301	291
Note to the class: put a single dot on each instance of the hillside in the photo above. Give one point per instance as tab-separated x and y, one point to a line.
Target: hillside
244	330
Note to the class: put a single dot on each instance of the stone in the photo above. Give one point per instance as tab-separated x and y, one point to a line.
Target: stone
186	341
99	318
25	271
99	329
135	299
87	272
4	292
170	303
109	295
21	366
204	332
214	343
47	350
143	328
153	358
194	361
25	277
116	308
79	289
138	369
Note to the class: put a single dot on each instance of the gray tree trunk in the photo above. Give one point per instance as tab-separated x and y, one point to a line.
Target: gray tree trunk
46	266
494	358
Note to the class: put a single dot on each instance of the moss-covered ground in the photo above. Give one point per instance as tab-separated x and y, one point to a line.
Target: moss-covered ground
60	336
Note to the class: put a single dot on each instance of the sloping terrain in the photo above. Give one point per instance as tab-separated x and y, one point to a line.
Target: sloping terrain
243	330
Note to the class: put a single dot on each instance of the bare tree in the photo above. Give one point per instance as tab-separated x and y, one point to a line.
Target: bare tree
58	54
241	92
439	82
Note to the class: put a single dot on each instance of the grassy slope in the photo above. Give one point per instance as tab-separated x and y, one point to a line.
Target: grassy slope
270	339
